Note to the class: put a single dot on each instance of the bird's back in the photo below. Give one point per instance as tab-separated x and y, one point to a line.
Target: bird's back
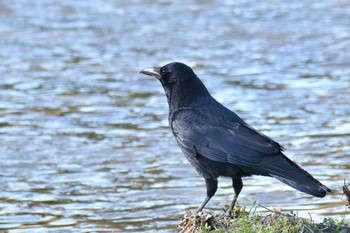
217	142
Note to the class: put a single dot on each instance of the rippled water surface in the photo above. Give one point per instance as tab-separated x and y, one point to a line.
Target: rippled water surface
84	138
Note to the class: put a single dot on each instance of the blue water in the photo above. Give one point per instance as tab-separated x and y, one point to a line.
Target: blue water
84	137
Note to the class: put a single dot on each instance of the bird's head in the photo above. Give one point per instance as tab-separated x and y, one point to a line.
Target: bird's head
181	84
170	74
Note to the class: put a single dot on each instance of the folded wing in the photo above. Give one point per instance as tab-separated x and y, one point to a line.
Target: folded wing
238	144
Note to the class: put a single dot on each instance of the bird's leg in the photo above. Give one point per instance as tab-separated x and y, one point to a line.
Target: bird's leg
237	187
212	186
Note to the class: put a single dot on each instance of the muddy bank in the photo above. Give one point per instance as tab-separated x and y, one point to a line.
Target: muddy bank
252	221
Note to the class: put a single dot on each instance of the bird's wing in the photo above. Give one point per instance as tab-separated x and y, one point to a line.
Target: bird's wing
239	144
230	142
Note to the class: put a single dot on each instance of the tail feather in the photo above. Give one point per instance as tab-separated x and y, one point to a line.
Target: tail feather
285	170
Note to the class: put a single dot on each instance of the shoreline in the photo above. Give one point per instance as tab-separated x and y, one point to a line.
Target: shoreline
252	221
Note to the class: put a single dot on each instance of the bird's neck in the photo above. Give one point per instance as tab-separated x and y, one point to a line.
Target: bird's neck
188	96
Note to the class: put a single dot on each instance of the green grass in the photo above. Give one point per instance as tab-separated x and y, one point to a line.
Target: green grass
250	221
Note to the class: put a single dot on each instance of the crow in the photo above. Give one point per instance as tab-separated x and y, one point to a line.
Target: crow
217	142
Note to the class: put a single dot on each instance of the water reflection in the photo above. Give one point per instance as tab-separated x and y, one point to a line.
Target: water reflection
84	138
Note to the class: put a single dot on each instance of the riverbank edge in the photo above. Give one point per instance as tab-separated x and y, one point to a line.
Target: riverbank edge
250	221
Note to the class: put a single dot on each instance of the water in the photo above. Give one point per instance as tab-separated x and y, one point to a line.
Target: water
84	138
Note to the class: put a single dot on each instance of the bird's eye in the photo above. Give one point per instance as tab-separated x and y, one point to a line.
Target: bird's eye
163	71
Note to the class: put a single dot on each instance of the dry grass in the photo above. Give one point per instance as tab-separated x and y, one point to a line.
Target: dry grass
250	222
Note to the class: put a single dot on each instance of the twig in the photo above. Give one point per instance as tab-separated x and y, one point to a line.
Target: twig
347	194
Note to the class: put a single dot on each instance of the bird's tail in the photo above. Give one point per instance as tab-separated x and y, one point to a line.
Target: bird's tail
285	170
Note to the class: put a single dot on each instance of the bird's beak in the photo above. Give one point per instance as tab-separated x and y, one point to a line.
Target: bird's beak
153	71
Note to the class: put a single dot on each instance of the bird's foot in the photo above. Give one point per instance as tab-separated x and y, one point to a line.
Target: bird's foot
232	212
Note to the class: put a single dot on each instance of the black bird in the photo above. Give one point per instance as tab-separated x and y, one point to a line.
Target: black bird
217	142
